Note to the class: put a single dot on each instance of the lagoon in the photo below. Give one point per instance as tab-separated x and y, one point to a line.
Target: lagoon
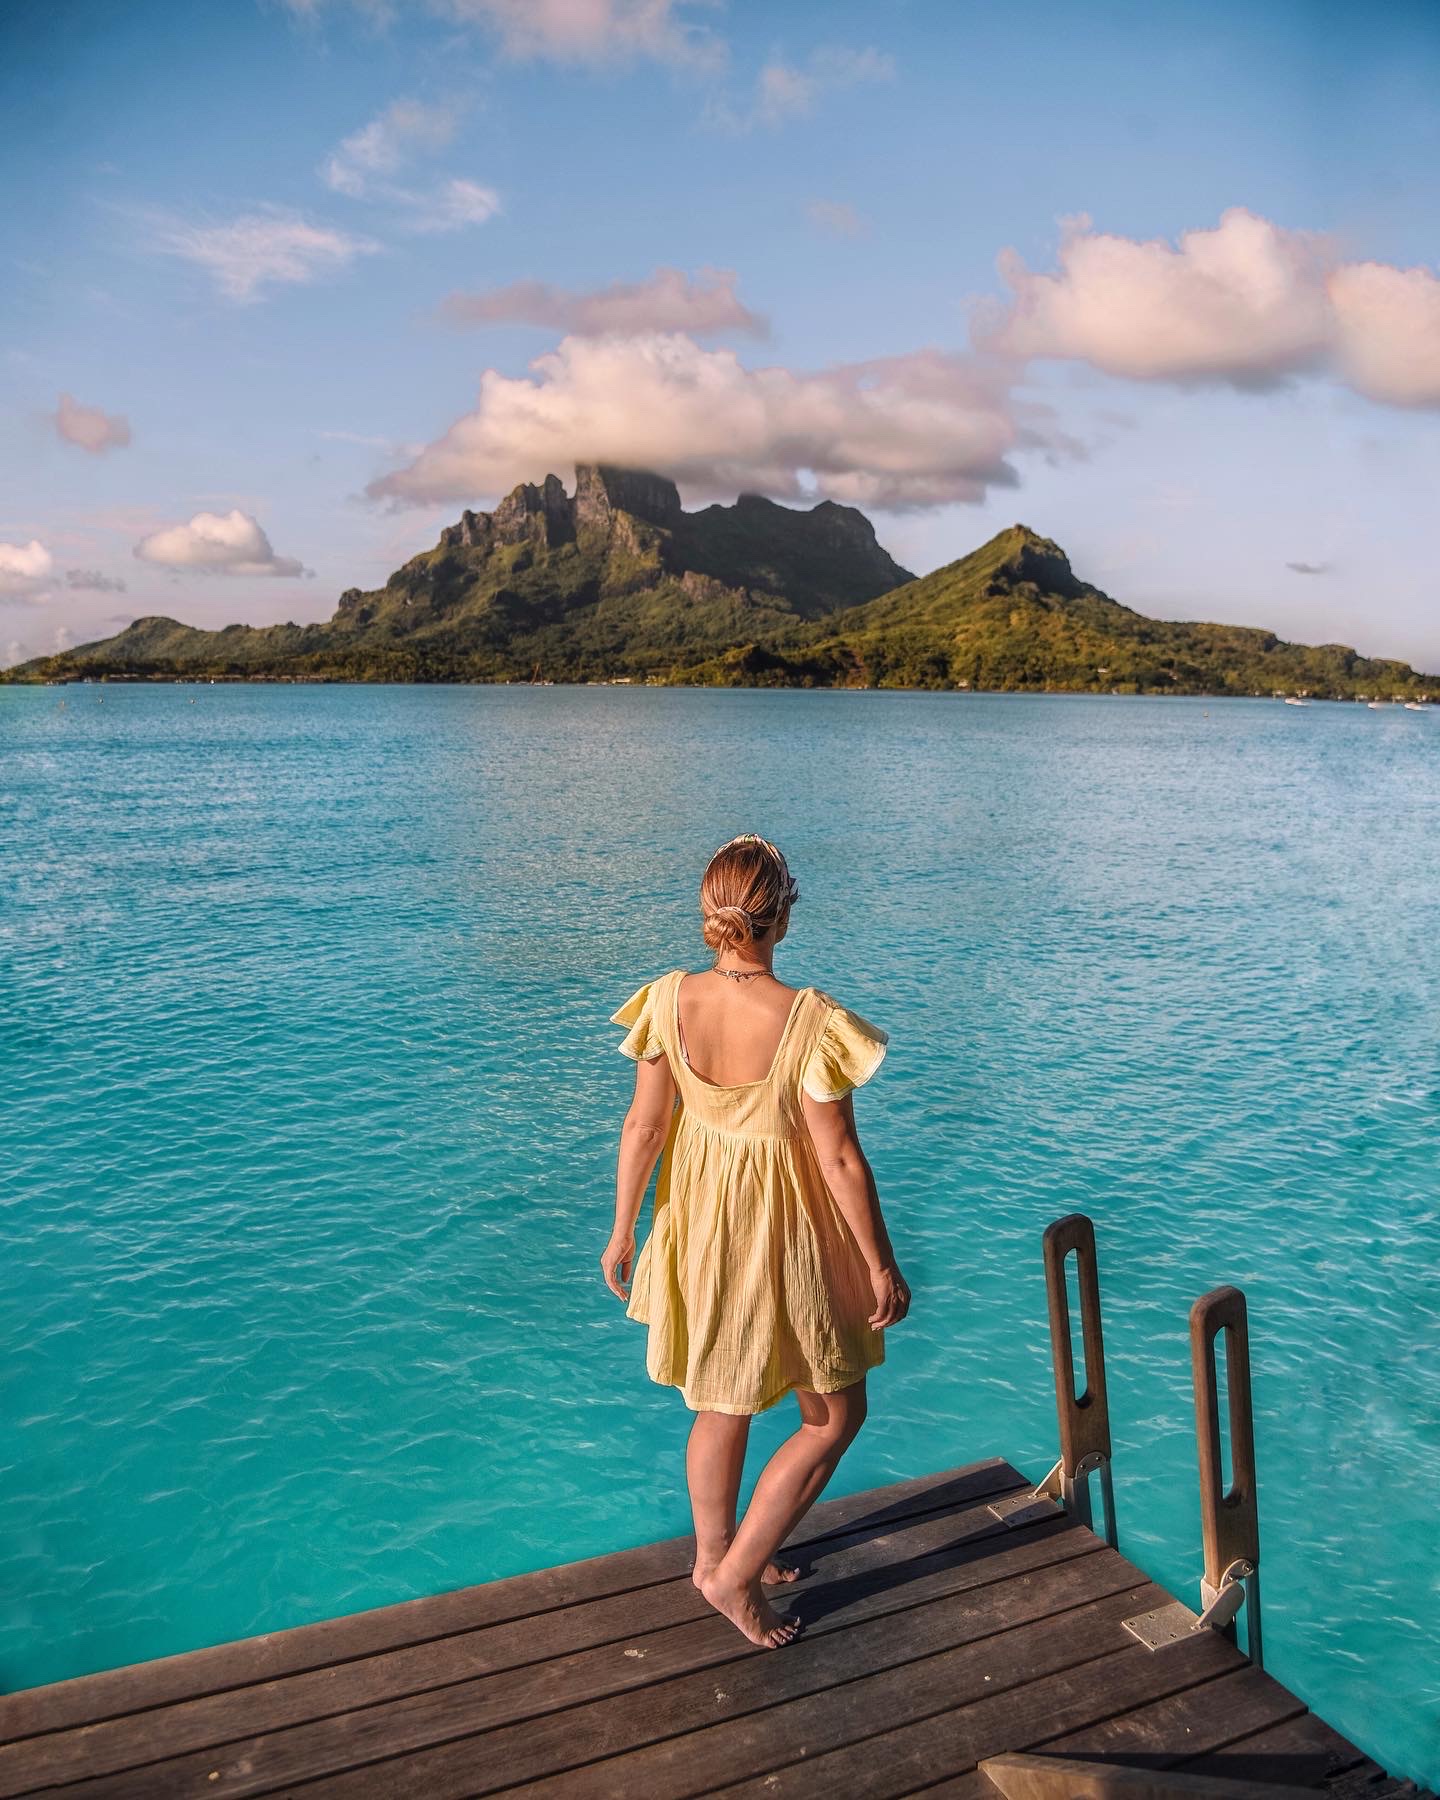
311	1104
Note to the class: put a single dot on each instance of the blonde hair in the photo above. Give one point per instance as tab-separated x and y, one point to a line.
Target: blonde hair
746	890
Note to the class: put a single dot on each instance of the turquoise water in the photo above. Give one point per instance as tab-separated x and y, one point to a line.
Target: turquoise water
311	1106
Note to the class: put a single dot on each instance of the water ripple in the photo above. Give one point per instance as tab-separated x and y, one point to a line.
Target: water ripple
311	1107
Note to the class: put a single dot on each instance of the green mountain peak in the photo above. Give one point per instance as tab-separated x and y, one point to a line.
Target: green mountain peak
614	578
617	580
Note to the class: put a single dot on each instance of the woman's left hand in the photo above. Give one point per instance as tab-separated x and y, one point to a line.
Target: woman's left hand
617	1261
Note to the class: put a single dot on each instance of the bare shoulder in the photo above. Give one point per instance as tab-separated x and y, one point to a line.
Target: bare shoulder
782	1002
704	987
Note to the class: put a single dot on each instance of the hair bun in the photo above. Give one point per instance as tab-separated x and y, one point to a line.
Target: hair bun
745	893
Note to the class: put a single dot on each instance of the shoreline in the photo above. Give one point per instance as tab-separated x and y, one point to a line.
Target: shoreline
1400	703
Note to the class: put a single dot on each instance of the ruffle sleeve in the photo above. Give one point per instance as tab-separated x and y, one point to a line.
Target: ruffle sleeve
848	1053
642	1040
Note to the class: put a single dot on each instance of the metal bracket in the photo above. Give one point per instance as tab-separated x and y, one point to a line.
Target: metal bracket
1166	1625
1221	1604
1174	1623
1057	1492
1075	1495
1031	1504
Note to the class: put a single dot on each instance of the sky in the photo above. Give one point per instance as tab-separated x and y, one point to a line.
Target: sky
287	284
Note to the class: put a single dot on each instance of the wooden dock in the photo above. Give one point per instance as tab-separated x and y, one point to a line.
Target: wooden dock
937	1635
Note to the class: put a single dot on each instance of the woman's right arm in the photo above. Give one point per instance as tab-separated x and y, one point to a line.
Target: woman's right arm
642	1139
851	1181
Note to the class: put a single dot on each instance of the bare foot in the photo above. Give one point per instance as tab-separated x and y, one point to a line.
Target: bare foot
746	1608
775	1572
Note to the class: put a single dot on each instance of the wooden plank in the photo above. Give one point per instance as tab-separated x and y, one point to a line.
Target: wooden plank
1343	1768
1185	1724
1352	1785
161	1680
1223	1733
1163	1731
449	1743
1358	1783
1021	1777
760	1724
934	1638
1149	1709
1387	1787
859	1574
1282	1752
952	1725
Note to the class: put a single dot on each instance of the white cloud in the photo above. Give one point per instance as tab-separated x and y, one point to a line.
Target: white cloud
384	146
24	568
217	544
570	31
1248	303
379	13
64	638
15	652
669	300
371	442
448	206
837	217
266	248
906	431
594	31
89	427
365	166
785	90
1241	303
1387	332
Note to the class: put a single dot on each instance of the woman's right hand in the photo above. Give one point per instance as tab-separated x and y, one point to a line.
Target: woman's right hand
616	1262
892	1296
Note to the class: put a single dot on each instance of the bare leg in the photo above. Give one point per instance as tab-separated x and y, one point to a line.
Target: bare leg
789	1484
714	1464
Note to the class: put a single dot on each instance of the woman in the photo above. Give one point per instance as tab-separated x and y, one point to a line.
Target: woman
768	1269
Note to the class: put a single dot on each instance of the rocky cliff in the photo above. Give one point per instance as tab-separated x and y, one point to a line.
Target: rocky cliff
614	578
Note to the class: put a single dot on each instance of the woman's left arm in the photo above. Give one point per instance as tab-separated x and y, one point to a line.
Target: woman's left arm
642	1138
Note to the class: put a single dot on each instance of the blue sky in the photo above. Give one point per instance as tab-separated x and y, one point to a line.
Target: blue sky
277	277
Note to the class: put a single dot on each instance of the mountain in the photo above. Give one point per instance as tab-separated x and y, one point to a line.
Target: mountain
1014	616
616	581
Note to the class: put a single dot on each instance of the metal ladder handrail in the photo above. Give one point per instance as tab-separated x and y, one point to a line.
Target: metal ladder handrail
1229	1518
1083	1419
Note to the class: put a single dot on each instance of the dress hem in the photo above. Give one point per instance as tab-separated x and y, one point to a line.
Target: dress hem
738	1409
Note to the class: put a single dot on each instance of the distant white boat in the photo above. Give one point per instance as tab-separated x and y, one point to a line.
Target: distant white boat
1414	706
1379	706
1291	700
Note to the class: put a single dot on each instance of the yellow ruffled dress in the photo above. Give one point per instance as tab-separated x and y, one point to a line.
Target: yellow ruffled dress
750	1279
